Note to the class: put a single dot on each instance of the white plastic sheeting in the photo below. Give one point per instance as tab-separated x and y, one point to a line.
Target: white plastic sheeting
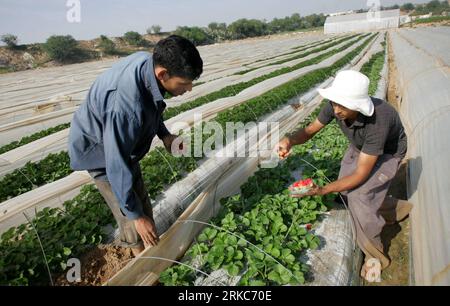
27	94
370	21
422	57
55	143
215	85
13	211
209	111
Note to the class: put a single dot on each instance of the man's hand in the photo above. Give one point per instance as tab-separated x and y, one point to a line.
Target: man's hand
298	138
147	230
284	147
359	176
168	140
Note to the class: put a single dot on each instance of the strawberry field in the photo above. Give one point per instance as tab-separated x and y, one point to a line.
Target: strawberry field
259	234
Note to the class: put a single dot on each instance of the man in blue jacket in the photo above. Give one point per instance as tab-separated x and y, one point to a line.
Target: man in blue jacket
113	130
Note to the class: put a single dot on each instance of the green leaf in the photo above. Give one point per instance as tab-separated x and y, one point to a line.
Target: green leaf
246	221
289	259
298	278
231	240
242	242
268	248
211	233
257	283
202	237
83	239
313	245
274	276
312	205
285	276
275	252
233	269
239	255
258	255
67	251
285	252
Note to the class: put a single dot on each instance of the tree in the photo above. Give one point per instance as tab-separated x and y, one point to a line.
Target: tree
197	35
107	45
218	31
243	28
407	7
10	40
433	5
315	20
61	48
156	29
133	38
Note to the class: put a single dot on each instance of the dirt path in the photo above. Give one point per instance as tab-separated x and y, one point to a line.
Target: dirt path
392	93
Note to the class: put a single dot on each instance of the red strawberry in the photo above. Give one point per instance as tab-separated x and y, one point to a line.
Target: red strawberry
301	186
302	183
308	226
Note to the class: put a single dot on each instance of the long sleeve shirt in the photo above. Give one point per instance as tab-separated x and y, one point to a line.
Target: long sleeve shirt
113	129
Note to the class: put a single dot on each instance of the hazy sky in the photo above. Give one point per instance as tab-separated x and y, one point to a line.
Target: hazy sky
36	20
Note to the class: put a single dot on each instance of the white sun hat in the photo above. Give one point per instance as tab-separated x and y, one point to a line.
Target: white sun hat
350	89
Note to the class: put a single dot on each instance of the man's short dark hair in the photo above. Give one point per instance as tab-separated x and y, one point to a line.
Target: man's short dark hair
179	56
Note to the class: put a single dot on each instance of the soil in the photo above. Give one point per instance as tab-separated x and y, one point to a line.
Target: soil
392	92
98	265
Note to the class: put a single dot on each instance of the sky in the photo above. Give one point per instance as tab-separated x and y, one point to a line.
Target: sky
35	20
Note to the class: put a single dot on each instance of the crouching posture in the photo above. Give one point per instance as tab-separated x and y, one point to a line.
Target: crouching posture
377	145
114	128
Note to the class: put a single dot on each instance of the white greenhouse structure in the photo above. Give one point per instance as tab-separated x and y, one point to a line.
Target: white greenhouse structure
369	21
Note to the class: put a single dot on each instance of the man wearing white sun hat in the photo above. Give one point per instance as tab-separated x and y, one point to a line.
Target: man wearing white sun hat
377	145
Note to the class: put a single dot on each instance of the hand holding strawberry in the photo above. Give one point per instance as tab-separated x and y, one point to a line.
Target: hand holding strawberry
284	147
303	188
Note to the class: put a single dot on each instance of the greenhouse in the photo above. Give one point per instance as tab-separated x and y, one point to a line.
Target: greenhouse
370	21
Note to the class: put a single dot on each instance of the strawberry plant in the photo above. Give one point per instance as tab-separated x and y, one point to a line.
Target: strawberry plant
51	168
324	47
292	52
63	233
372	70
27	139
